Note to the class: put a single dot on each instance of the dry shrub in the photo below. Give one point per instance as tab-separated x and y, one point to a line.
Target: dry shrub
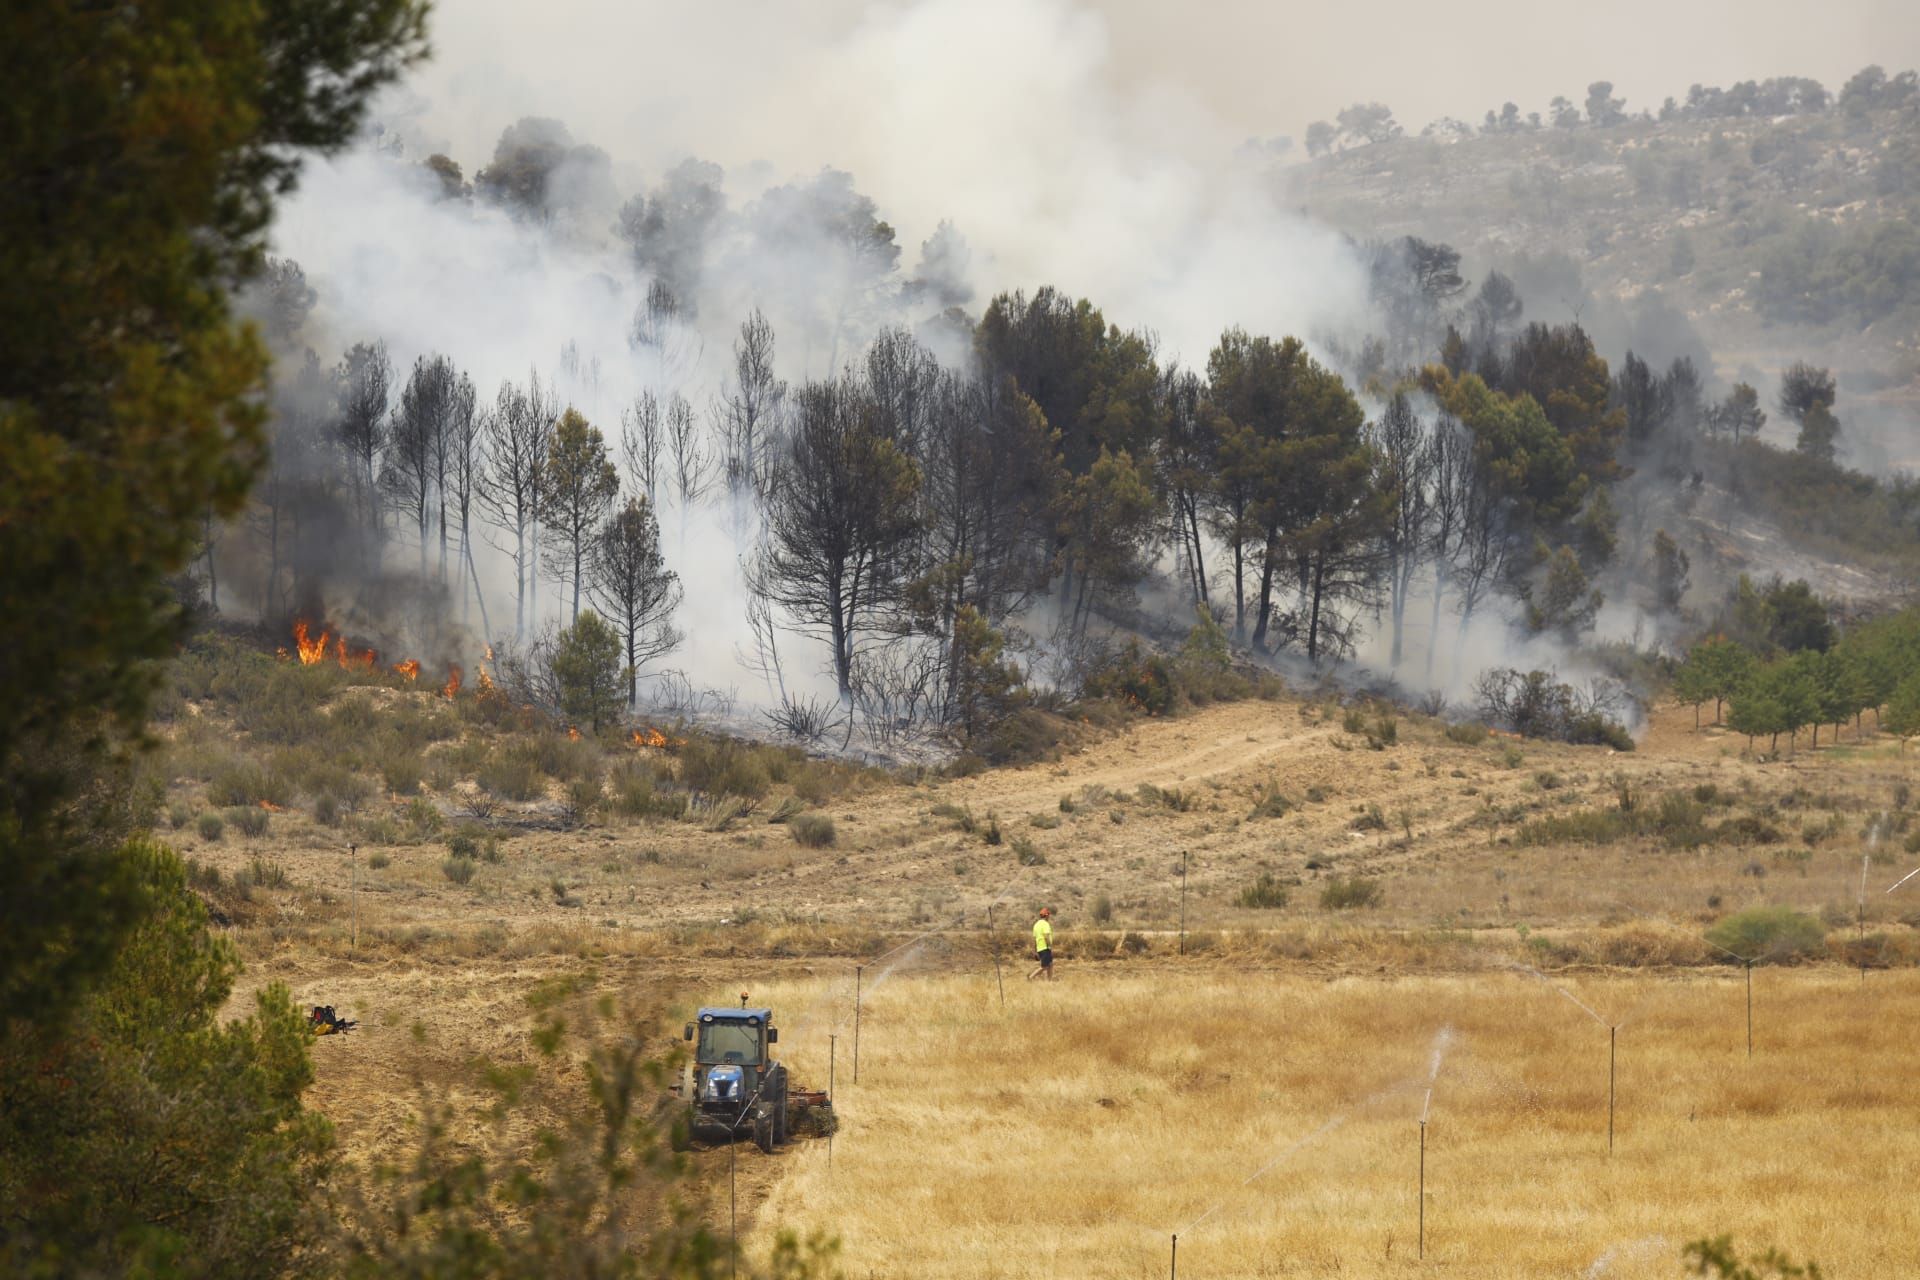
812	830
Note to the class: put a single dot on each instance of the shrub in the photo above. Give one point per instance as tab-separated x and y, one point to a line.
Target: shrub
991	832
250	819
263	874
400	770
580	798
1170	797
1369	819
1102	909
457	869
1028	853
462	845
1348	894
245	783
812	830
178	816
1468	733
1266	893
326	810
211	827
1271	804
422	818
723	767
1135	678
377	861
1384	733
1354	721
514	773
1770	935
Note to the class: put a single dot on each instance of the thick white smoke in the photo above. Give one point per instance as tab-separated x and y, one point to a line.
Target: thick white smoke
1000	116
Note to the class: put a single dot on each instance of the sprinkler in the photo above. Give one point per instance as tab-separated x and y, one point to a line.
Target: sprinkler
833	1050
353	891
1612	1038
1173	1259
1747	961
993	947
1422	1236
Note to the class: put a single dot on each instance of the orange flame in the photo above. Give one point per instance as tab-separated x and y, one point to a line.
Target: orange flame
362	661
311	651
573	734
408	670
271	807
655	739
281	653
452	686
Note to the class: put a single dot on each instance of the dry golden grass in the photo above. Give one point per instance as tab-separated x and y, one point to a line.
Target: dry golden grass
1073	1134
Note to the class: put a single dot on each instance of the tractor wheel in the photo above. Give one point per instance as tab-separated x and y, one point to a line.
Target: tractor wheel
763	1129
781	1133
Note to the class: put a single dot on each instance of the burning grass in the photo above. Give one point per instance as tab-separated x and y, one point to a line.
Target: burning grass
1102	1113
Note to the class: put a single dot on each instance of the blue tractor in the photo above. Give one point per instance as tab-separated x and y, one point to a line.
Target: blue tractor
735	1085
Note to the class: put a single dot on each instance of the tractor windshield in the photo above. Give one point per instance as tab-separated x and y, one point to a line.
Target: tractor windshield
729	1042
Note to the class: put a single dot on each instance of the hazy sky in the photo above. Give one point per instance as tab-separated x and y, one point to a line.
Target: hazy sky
1270	67
766	79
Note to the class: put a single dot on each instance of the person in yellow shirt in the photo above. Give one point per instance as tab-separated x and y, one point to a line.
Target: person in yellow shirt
1043	945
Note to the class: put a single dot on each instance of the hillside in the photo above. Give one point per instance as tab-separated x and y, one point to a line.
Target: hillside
1772	239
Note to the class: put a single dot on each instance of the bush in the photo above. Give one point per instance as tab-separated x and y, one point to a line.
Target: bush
1271	804
250	819
812	830
262	874
400	770
1135	678
1770	935
178	816
1468	733
1266	894
1102	909
723	767
457	869
1028	853
513	772
580	798
211	827
245	783
1384	733
378	861
326	810
1348	894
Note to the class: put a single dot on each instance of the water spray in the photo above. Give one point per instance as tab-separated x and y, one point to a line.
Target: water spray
1613	1037
1903	879
857	971
1861	936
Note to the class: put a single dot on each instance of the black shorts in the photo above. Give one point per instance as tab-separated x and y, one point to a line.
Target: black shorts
1045	958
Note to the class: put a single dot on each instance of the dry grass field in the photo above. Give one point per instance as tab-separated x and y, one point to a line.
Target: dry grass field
1077	1131
1074	1134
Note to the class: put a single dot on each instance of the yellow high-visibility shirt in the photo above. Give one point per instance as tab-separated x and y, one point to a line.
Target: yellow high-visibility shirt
1043	935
